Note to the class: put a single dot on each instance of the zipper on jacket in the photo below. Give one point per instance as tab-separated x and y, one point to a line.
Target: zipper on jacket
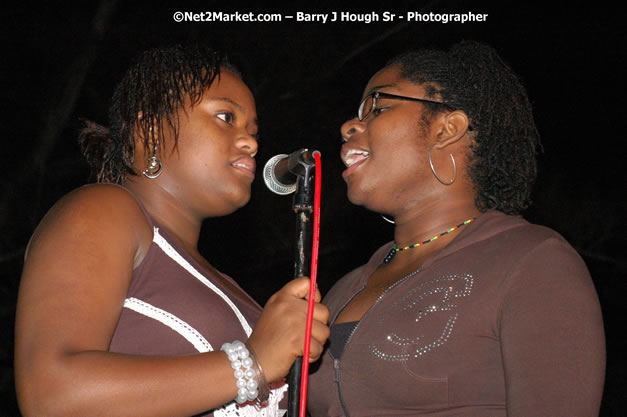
336	370
336	362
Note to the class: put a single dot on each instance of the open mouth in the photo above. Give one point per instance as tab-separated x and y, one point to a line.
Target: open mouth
245	165
354	156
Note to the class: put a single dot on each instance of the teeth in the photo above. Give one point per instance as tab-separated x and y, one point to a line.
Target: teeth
350	159
236	164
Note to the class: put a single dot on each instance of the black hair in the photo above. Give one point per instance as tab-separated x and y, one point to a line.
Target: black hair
147	98
472	77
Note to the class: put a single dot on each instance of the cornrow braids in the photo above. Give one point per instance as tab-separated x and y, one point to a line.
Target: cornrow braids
473	78
145	101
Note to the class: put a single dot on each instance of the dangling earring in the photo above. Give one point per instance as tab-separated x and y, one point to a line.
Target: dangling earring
452	180
153	168
388	220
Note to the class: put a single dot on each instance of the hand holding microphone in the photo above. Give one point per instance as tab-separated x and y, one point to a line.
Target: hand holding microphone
279	335
283	174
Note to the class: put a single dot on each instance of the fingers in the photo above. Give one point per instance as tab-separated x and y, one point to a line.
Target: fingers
317	296
320	332
279	334
321	313
298	287
319	335
315	351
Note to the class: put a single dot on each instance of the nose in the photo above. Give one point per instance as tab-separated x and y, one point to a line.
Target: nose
350	128
248	143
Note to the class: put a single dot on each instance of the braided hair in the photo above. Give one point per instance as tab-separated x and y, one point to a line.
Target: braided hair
473	78
146	100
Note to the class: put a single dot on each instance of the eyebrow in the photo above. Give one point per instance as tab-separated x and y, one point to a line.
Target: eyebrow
378	87
233	102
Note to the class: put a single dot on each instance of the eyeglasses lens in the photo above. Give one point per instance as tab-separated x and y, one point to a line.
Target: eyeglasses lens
365	107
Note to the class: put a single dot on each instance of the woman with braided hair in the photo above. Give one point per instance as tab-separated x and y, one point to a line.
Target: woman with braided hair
471	311
118	313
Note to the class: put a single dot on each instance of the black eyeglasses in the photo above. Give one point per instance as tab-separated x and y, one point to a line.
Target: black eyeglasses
369	103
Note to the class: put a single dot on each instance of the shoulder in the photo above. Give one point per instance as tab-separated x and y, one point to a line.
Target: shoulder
535	259
97	204
535	243
101	196
515	237
547	256
101	211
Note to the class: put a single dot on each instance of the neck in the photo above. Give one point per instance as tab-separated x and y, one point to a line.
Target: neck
169	212
421	225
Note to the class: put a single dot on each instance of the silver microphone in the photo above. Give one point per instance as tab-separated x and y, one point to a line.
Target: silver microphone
274	184
279	172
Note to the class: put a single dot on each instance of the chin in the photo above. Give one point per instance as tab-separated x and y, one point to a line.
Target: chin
355	197
243	203
230	203
241	200
370	200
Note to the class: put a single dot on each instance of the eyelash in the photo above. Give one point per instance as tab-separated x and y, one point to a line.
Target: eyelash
231	117
378	110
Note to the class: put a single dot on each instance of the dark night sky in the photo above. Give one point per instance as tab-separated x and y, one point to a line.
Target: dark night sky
61	64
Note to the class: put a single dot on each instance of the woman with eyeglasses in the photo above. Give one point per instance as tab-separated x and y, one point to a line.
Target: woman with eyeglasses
118	313
471	310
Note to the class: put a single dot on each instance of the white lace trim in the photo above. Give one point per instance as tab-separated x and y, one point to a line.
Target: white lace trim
270	410
172	253
181	327
199	342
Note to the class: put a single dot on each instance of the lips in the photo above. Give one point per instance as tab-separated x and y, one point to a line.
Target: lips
245	165
352	158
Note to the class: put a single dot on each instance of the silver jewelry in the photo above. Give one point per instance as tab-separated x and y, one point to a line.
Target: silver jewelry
388	220
153	169
251	383
263	386
452	180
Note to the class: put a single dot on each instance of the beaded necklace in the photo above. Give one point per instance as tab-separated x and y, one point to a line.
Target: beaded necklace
396	249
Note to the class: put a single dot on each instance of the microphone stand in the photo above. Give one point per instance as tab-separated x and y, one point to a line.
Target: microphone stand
303	209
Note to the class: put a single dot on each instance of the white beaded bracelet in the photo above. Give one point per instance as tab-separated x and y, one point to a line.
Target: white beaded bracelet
247	372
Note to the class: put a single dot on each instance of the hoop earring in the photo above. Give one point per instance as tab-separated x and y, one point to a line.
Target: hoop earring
388	220
452	180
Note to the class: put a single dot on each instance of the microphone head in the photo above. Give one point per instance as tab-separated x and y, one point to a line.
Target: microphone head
270	179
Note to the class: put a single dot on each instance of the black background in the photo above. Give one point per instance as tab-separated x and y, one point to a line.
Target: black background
61	62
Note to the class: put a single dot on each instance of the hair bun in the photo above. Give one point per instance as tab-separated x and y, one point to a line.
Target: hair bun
97	147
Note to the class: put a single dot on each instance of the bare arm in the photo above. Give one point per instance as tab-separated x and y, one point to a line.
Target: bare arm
74	283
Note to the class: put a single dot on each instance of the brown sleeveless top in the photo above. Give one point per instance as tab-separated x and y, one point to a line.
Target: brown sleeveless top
175	307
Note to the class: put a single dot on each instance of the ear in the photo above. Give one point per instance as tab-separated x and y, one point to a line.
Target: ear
453	127
145	132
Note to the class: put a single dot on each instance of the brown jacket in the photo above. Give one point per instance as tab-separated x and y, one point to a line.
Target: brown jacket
505	321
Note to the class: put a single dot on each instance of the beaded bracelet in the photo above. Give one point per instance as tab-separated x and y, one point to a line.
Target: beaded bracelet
247	371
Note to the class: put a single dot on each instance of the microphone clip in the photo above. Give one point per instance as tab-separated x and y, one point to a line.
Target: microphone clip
303	166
